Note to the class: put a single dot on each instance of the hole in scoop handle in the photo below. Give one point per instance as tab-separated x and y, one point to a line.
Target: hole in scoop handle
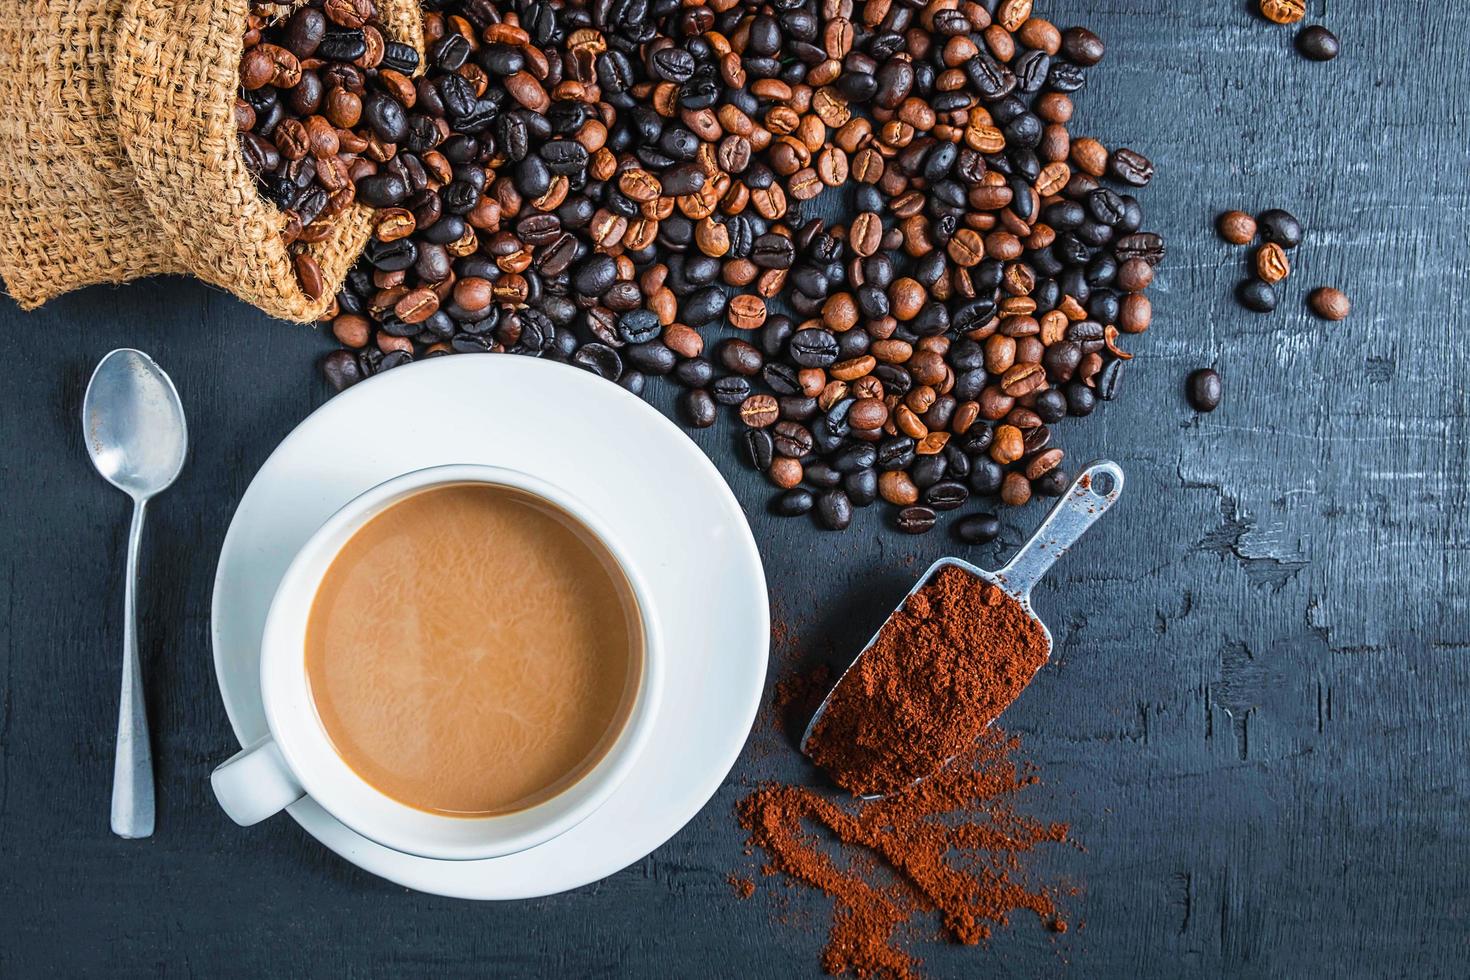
1095	490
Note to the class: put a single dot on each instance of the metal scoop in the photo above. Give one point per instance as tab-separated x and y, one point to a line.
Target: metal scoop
1091	494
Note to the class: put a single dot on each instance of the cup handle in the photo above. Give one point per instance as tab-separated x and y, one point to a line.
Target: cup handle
255	783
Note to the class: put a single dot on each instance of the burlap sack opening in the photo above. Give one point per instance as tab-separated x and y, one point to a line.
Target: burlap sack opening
119	156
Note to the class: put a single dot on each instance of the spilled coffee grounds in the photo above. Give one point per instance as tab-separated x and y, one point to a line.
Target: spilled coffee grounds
951	845
942	668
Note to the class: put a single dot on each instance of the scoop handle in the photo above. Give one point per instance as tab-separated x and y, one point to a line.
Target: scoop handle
1077	510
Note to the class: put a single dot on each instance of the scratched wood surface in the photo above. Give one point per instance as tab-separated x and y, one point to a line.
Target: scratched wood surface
1256	717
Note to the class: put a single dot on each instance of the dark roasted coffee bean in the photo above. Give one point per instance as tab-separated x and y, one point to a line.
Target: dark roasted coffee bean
1317	43
792	439
986	476
977	529
1256	296
1131	167
652	358
834	510
341	369
1108	380
600	359
760	448
698	408
1280	227
730	390
1081	46
1204	389
696	372
861	487
915	520
793	503
814	348
946	495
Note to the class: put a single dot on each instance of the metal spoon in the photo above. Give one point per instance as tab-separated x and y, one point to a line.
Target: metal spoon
1095	490
133	424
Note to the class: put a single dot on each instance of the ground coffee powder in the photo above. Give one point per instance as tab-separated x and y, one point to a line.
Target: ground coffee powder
951	845
942	668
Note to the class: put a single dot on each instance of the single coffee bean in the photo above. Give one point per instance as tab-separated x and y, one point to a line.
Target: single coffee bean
759	411
1272	265
1317	43
1237	227
698	407
1329	303
946	495
794	502
792	439
977	529
916	520
1256	296
1131	167
1204	390
1283	11
760	448
834	510
1281	227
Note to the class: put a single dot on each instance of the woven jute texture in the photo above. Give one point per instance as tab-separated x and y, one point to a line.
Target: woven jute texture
119	156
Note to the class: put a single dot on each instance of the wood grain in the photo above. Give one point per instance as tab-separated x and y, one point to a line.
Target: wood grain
1255	720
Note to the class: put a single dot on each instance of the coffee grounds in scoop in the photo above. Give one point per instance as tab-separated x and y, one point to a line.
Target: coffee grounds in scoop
942	669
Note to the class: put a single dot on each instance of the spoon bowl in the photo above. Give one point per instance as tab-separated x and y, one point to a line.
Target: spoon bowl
133	425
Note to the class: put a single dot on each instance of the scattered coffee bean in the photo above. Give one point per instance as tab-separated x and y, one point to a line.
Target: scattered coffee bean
1204	390
1272	265
1256	296
1329	303
1283	11
977	529
1281	228
1237	227
916	520
1317	43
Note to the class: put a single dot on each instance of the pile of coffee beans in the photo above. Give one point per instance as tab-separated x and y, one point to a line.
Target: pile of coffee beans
323	105
864	227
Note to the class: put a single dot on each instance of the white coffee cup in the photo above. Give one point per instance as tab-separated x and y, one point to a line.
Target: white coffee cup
297	758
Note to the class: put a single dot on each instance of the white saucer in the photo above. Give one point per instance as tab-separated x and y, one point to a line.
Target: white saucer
664	498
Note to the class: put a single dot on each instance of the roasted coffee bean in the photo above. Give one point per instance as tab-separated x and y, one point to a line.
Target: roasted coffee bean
792	439
1329	303
1283	11
814	348
730	390
834	510
793	503
1281	228
600	359
977	529
698	407
915	520
1237	227
946	495
1256	296
1131	167
1204	390
760	448
1317	43
759	411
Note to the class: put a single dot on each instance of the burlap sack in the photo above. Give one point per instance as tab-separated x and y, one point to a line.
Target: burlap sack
119	156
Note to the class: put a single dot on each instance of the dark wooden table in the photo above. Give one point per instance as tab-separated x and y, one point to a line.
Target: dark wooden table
1256	718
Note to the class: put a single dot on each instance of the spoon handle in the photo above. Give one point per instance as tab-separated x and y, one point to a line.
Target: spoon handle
1083	503
132	770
